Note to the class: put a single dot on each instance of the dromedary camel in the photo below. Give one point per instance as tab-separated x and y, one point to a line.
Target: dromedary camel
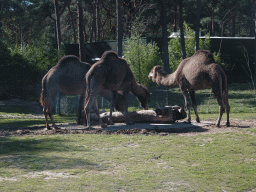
200	71
68	77
113	73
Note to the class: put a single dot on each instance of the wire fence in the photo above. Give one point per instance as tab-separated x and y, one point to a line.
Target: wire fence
68	104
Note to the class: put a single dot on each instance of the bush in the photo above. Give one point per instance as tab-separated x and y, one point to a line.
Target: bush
141	57
175	48
24	68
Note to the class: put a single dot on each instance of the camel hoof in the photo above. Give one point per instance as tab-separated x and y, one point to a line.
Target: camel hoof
227	124
48	128
218	125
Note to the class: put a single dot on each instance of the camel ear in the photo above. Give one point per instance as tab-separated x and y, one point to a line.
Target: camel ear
154	75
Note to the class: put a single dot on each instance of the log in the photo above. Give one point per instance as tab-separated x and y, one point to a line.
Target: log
167	114
177	110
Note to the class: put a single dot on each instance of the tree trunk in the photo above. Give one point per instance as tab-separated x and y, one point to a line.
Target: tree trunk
255	49
56	6
73	24
182	40
233	33
165	38
252	22
175	18
119	5
80	31
197	24
212	33
93	28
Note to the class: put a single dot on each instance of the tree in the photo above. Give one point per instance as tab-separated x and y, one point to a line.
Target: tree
80	31
182	40
197	23
254	46
119	5
165	38
58	32
252	22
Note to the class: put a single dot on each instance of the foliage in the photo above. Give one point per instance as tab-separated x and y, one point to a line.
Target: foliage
175	48
25	66
142	57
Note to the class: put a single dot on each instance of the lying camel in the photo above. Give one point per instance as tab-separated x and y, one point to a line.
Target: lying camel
112	73
200	71
68	77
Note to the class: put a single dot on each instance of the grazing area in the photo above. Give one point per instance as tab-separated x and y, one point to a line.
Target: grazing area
196	158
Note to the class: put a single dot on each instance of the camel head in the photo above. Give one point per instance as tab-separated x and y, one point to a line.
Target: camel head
154	71
145	99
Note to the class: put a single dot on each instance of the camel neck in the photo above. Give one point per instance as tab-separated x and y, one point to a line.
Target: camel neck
168	80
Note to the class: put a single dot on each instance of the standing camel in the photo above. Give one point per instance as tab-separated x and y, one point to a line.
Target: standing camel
68	77
200	71
112	73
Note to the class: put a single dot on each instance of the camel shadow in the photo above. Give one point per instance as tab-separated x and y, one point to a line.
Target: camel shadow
177	127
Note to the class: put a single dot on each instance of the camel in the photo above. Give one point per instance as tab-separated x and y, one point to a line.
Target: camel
68	77
200	71
114	74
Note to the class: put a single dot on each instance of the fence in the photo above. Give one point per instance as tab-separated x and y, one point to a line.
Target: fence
68	104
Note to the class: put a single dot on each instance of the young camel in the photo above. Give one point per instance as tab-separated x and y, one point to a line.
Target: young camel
200	71
68	77
114	74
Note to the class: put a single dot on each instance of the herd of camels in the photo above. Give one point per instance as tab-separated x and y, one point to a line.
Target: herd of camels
112	78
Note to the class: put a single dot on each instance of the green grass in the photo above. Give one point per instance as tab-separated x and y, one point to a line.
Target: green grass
84	162
217	162
242	101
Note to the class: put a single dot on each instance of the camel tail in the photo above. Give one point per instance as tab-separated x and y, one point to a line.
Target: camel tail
88	85
224	84
43	93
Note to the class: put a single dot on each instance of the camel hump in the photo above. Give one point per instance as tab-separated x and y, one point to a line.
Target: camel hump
107	54
67	59
205	55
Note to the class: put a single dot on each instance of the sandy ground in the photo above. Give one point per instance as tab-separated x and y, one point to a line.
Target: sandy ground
205	127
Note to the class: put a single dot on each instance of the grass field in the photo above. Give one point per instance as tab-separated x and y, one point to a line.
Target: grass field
94	162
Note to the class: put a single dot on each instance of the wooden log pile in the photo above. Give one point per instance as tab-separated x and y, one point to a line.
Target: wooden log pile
166	114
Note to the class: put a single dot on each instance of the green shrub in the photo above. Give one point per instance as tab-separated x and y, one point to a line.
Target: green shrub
141	57
175	48
21	68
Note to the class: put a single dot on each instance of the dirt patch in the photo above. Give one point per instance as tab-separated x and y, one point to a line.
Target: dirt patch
138	129
206	127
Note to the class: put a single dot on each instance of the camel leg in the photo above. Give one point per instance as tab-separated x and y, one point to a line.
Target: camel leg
96	111
87	113
113	102
89	103
79	111
53	123
217	94
186	97
46	120
225	99
128	121
194	104
47	111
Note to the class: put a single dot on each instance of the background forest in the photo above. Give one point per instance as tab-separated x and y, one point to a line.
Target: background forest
28	31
